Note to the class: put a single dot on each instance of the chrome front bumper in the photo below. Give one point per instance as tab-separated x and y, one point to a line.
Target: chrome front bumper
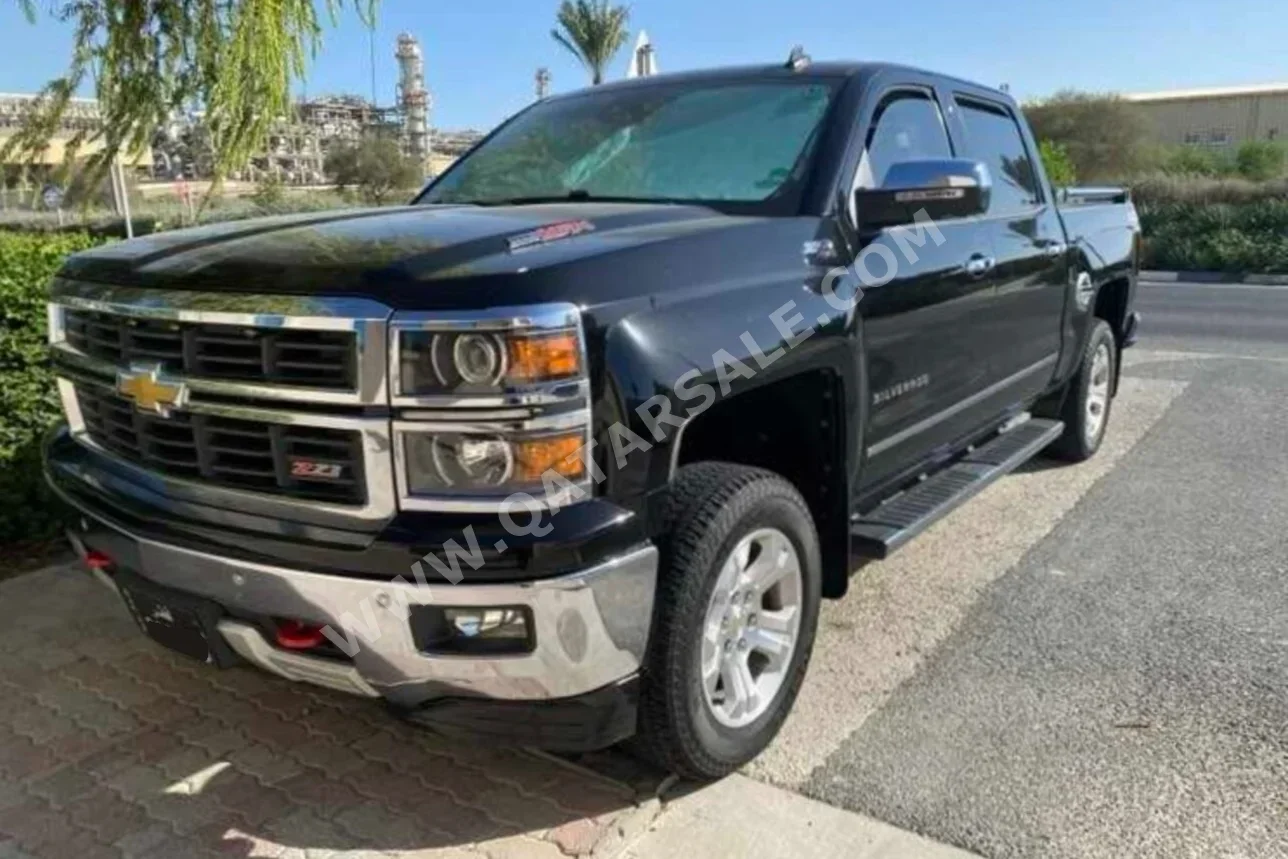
590	628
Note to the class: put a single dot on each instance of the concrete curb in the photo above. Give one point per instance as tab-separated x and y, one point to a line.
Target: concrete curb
1214	277
739	818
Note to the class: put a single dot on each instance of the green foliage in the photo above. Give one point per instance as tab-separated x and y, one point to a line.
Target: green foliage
1059	166
235	58
593	31
1189	161
1103	134
28	397
1195	223
1187	236
1159	189
269	192
166	213
341	165
100	226
375	166
1260	160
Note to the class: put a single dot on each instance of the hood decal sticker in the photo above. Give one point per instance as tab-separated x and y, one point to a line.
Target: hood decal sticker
549	233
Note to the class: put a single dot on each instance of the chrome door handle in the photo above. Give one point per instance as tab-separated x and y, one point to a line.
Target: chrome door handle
978	266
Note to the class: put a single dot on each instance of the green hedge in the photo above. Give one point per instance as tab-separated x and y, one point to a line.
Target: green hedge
168	213
1246	238
28	399
1163	190
98	227
1196	223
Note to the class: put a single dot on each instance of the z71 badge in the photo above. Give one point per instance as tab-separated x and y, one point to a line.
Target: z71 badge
309	469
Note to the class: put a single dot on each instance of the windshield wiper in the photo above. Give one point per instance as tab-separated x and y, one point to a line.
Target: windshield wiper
576	195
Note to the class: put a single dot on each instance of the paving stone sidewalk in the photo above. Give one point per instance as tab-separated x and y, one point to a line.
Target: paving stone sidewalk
110	746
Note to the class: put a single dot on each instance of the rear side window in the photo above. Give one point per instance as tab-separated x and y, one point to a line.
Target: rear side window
992	136
907	127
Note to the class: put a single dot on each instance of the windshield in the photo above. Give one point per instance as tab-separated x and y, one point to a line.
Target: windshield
738	143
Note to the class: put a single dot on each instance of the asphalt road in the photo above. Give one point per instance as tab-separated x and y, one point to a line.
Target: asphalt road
1242	320
1118	685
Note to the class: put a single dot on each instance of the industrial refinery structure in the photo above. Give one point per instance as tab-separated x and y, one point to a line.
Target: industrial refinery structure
413	98
298	144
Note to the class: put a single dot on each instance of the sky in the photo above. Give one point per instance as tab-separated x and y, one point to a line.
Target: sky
481	55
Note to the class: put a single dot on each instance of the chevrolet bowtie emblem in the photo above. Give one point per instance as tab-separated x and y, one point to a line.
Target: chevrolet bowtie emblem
149	392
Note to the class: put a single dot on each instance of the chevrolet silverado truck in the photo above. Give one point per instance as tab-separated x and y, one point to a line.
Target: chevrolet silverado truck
569	449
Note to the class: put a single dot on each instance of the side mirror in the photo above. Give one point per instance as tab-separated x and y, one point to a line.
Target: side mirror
941	187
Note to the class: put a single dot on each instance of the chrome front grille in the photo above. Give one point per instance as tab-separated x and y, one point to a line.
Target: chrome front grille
284	356
229	452
276	405
271	404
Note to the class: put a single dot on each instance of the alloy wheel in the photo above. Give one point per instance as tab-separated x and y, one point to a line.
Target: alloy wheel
1098	392
751	628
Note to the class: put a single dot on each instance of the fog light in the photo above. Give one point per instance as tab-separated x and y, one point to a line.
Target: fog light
487	623
489	630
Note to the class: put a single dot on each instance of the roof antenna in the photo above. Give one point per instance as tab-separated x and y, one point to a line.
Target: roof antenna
797	59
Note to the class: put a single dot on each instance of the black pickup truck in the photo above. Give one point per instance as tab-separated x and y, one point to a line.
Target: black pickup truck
570	448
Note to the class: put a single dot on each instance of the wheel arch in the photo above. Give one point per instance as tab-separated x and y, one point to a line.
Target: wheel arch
796	426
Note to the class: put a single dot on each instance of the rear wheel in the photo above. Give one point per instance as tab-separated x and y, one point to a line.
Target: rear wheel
737	605
1090	396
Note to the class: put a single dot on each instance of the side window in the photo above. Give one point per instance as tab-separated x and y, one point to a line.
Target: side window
907	127
993	137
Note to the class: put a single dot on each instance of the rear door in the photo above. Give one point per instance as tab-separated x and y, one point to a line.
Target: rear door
928	358
1031	271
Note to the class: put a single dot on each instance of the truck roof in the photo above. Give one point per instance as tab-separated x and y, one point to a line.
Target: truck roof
829	70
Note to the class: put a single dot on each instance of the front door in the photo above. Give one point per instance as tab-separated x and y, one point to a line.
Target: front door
928	353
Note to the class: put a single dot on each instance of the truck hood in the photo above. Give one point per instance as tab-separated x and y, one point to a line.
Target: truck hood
393	254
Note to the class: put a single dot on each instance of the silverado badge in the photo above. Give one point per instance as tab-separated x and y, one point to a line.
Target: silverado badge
143	384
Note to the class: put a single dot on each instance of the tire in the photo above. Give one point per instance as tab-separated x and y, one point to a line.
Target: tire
713	509
1090	389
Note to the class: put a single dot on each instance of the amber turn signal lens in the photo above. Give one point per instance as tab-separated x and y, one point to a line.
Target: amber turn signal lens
552	356
560	454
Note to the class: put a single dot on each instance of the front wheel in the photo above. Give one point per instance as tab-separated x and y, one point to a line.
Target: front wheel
739	586
1089	398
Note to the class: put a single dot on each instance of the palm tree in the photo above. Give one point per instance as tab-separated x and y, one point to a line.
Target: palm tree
594	31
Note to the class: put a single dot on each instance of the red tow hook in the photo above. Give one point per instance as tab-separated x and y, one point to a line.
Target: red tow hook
96	560
298	635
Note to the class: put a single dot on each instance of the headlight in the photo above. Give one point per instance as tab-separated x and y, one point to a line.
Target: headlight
481	362
488	405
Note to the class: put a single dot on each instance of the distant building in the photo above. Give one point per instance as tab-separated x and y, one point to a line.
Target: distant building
1220	118
82	115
